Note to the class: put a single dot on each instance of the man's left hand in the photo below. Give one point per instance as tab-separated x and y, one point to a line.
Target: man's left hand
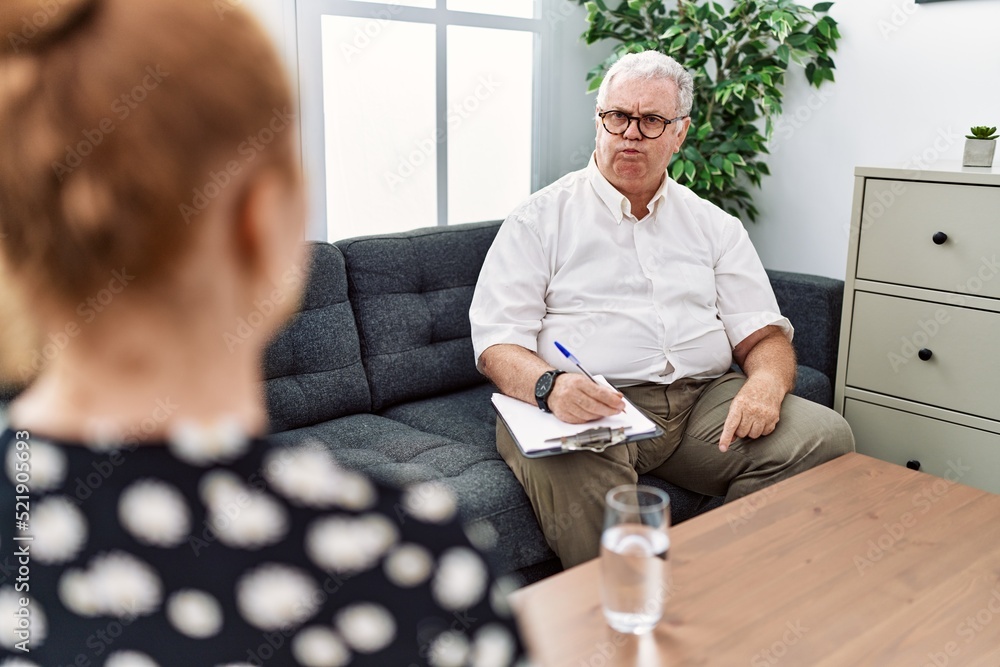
754	411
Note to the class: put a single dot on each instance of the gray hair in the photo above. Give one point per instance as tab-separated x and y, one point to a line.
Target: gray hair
651	65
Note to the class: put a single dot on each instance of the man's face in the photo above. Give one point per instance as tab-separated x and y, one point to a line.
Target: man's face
631	162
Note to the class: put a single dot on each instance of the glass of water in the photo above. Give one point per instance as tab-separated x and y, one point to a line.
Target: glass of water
635	569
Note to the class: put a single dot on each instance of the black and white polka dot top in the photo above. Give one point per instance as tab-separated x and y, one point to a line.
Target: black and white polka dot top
235	552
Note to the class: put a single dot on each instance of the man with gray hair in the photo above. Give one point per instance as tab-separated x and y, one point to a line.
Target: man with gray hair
659	291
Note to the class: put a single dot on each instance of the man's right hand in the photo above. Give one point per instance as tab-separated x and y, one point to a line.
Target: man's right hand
577	399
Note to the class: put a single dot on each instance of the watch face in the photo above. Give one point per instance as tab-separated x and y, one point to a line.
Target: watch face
544	385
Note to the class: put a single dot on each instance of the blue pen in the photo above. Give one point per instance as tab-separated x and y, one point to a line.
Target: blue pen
569	355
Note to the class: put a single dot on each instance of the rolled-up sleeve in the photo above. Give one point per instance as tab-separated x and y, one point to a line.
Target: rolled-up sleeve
509	302
746	301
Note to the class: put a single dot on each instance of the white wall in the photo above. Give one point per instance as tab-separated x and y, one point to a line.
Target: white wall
911	80
568	133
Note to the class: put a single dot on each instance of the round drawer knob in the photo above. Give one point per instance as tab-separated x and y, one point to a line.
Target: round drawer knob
913	464
924	354
939	238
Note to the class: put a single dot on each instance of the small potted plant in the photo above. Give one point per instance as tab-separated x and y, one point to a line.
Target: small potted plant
980	146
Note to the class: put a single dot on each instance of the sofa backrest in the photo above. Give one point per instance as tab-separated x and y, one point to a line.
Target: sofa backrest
312	369
411	294
813	305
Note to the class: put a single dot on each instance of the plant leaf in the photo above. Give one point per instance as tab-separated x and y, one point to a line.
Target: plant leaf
738	54
677	169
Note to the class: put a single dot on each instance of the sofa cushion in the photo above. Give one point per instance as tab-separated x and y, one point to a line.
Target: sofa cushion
411	294
397	454
451	438
312	369
813	385
468	416
813	305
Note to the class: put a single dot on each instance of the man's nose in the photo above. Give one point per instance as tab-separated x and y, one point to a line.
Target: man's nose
632	131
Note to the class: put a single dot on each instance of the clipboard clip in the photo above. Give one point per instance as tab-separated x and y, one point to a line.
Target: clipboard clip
592	440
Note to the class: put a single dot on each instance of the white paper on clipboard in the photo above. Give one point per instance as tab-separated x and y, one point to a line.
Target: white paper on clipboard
531	427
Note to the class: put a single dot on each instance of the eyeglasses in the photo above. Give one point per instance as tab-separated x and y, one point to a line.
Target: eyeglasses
651	127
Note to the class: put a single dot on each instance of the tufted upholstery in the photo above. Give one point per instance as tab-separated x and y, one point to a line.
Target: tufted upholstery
451	438
813	304
399	452
379	367
312	369
411	294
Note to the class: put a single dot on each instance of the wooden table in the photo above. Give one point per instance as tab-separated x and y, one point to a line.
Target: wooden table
856	562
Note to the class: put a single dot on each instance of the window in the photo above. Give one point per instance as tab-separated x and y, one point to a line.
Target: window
417	113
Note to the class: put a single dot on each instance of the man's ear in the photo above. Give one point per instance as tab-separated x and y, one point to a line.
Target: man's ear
682	133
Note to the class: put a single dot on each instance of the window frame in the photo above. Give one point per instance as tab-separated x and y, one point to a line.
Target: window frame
310	86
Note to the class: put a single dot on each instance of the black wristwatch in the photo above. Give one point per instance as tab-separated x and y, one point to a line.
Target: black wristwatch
543	388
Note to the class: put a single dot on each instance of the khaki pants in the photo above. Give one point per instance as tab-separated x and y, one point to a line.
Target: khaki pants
567	491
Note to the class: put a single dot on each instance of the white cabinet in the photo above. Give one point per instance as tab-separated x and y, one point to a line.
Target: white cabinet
919	371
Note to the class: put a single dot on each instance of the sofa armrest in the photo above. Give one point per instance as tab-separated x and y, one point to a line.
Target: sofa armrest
813	304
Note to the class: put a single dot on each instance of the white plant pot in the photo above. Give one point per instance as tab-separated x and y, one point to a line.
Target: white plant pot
979	152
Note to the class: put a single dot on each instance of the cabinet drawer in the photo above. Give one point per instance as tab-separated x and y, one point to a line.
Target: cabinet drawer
898	223
959	453
887	334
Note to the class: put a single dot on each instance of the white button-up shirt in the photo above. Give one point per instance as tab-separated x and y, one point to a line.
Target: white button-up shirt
651	300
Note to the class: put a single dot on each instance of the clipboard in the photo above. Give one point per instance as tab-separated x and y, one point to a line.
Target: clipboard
539	433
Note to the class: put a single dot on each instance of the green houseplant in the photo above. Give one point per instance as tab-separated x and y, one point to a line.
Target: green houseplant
739	58
980	147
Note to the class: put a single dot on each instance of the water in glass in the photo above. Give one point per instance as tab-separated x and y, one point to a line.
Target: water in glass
635	574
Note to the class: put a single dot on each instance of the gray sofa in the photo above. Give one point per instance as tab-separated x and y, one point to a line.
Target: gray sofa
378	365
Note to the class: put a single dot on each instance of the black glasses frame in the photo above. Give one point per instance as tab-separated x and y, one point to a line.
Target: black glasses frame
638	125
